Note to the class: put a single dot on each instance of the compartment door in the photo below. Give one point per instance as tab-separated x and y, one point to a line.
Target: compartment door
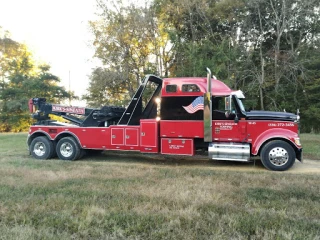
177	146
117	136
132	136
149	135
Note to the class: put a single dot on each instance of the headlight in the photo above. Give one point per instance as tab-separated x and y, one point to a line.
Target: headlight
297	141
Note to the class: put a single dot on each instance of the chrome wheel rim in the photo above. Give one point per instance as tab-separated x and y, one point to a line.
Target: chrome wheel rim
278	156
66	149
40	149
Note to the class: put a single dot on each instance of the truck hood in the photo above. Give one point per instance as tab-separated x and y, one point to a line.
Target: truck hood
269	115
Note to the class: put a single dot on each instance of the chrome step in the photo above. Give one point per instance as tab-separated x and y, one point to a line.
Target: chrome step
229	151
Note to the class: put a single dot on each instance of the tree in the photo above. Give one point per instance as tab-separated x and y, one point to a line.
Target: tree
131	41
203	34
21	79
274	34
123	42
267	48
105	89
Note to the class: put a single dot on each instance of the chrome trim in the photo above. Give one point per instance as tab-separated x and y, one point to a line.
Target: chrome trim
229	151
70	133
207	110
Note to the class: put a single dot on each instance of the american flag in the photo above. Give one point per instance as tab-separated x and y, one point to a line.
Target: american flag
196	105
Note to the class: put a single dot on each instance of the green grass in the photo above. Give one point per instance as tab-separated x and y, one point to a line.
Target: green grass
135	197
311	145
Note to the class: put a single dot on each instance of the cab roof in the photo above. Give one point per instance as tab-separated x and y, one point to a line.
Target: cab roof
192	86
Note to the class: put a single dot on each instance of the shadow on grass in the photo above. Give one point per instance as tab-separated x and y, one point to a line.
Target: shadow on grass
157	159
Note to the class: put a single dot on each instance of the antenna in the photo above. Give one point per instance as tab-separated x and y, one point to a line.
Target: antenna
69	89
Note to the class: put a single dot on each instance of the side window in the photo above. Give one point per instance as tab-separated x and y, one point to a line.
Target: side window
171	88
190	88
218	104
220	108
172	108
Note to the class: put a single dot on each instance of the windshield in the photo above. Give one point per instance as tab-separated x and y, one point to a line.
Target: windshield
240	104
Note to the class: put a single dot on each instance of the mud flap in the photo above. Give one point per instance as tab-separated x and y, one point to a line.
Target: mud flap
299	155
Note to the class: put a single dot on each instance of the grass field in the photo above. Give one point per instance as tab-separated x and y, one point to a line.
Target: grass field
134	197
311	146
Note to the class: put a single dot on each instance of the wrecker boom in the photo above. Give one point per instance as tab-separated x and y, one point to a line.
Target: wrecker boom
84	117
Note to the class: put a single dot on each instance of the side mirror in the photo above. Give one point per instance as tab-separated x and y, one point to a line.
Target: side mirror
236	119
227	103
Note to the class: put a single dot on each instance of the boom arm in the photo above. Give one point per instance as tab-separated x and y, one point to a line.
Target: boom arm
85	117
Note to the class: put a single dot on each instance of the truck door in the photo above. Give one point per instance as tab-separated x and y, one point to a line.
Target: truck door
224	126
228	131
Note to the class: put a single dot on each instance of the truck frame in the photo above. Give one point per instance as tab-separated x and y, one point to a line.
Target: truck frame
172	116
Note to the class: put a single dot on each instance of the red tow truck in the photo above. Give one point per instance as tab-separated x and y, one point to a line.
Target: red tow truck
173	116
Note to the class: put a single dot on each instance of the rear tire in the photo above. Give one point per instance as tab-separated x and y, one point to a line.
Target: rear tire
68	149
42	148
278	155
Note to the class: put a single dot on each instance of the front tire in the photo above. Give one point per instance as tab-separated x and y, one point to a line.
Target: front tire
68	149
42	148
277	155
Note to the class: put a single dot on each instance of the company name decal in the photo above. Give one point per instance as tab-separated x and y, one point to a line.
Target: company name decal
172	146
76	110
226	127
225	123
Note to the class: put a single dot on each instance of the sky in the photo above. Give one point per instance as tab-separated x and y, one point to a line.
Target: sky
57	33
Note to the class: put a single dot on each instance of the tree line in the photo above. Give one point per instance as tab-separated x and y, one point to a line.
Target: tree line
267	48
22	78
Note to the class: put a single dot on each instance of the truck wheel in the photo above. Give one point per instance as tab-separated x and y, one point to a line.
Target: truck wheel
68	149
277	155
42	148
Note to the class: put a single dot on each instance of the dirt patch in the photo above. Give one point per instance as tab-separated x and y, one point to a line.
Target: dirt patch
307	166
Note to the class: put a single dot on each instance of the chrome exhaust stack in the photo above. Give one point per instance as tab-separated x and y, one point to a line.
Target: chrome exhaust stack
207	110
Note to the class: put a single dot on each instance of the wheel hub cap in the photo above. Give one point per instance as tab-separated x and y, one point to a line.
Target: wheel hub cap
66	149
39	149
278	156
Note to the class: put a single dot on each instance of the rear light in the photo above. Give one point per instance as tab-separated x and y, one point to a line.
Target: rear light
31	106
